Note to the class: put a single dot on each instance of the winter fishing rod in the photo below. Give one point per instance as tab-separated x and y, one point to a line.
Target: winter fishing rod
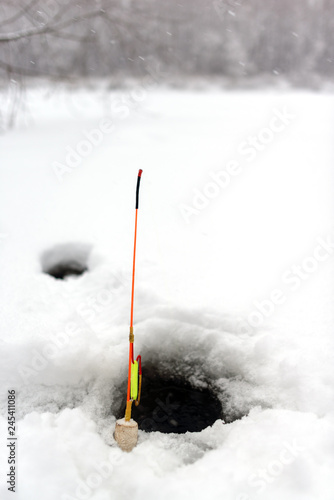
134	370
126	429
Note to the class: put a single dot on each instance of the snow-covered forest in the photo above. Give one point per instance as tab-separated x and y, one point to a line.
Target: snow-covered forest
237	38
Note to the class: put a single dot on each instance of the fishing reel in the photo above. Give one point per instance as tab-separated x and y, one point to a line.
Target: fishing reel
135	386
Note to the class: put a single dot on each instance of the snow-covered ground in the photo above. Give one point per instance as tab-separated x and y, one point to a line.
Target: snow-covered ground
234	288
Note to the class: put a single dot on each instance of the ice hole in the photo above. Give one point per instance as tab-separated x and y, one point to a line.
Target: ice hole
68	259
170	404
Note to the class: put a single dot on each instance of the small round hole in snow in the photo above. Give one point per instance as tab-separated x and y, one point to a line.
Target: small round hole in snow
68	259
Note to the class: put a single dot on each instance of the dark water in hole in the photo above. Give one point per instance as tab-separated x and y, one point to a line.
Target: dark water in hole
63	270
169	405
66	259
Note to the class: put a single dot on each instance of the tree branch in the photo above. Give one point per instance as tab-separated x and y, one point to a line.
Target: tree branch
49	28
24	10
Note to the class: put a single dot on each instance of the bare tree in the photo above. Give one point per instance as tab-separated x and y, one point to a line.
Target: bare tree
59	19
57	39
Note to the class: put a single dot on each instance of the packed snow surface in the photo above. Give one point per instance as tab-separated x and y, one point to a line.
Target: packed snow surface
234	290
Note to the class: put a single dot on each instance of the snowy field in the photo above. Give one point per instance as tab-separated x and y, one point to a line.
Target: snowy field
234	290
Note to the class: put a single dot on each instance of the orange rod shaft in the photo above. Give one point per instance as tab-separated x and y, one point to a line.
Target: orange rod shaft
131	357
133	270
